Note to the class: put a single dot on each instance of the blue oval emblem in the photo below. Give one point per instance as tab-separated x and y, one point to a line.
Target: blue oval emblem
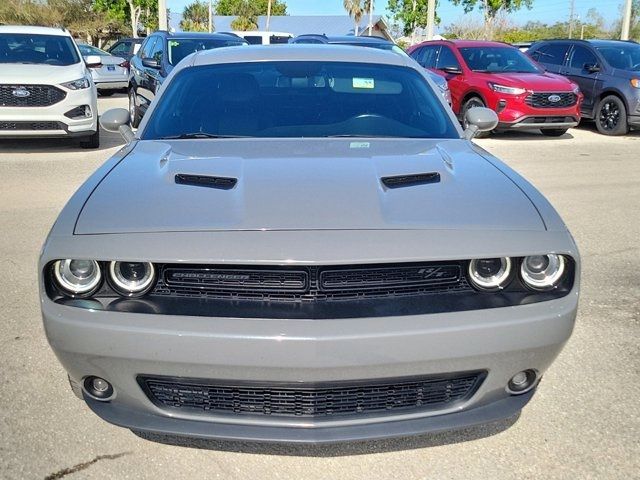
21	92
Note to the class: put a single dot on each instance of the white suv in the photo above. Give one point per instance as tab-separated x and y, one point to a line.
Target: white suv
45	86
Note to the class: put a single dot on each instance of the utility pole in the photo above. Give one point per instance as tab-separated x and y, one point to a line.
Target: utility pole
268	16
626	21
370	16
162	15
210	17
431	19
571	10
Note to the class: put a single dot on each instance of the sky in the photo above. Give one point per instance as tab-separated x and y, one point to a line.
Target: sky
548	11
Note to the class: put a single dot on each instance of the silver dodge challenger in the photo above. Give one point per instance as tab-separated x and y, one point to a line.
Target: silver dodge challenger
300	244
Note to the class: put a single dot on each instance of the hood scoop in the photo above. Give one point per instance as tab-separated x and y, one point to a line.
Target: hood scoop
221	183
410	180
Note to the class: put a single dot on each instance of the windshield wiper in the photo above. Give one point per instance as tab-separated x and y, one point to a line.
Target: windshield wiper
185	136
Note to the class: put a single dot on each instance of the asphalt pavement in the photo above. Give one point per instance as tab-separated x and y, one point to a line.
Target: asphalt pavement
584	421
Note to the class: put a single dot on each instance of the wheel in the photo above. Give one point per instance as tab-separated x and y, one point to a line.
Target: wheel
473	102
553	132
92	141
134	113
105	93
611	116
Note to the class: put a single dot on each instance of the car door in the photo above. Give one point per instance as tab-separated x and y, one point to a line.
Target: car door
448	65
584	69
145	75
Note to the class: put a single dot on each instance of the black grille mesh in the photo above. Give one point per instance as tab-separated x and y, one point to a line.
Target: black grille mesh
39	96
542	100
399	395
29	126
306	284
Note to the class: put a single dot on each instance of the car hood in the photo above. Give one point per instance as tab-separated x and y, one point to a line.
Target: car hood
547	81
33	74
305	185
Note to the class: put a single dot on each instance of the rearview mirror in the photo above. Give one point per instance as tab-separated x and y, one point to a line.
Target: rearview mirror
93	61
452	70
151	63
117	120
479	119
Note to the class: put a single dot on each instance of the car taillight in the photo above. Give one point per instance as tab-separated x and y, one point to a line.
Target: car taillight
125	64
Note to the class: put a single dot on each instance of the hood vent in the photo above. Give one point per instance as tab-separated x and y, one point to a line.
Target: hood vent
410	180
222	183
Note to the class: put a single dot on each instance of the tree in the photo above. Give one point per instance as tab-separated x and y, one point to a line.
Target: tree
243	23
195	17
491	8
411	14
355	10
136	13
248	8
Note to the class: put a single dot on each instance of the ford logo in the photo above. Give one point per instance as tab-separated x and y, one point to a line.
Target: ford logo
21	92
554	98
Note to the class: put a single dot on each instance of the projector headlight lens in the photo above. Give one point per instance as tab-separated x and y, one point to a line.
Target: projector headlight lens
490	273
77	277
131	278
542	272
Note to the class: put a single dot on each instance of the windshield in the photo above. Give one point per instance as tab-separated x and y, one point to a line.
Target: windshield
624	57
497	59
86	50
299	99
181	47
38	49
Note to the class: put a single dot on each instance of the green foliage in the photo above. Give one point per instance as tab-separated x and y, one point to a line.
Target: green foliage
195	17
250	8
403	12
243	23
492	7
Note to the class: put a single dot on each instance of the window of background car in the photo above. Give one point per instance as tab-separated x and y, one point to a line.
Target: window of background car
497	59
121	49
299	99
180	48
624	57
90	50
147	47
554	54
157	51
278	39
447	59
40	49
253	39
426	56
582	56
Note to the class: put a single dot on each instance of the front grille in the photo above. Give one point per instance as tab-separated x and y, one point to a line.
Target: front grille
29	126
307	284
30	95
545	99
313	400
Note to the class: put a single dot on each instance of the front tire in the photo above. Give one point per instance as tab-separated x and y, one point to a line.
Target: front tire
473	102
554	132
134	112
92	141
611	116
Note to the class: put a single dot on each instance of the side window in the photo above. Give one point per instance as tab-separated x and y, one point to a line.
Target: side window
554	54
121	49
426	56
158	50
582	56
447	59
147	47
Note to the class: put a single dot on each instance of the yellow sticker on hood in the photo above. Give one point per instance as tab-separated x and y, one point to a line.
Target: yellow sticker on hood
363	83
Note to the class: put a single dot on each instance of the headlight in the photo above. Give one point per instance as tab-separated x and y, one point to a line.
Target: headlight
508	90
77	277
490	273
635	82
576	89
131	278
542	272
79	84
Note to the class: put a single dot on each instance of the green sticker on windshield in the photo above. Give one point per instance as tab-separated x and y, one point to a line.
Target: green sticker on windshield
173	43
363	83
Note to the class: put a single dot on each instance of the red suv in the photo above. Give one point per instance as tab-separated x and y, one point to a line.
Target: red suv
499	76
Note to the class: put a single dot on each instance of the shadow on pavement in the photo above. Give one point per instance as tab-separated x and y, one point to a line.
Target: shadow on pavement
58	145
336	449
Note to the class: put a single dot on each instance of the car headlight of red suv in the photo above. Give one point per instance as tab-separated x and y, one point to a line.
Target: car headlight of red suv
507	90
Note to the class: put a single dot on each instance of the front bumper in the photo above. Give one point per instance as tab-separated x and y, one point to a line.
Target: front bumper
120	346
540	122
112	84
21	120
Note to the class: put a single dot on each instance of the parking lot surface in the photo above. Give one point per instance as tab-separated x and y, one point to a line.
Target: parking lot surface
584	421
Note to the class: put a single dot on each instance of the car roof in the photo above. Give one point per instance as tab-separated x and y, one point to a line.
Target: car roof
594	42
361	39
297	53
26	29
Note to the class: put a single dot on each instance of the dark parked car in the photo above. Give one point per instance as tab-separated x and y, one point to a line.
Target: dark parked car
608	73
156	58
126	47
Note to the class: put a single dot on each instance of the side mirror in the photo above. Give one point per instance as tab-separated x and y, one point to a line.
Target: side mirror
151	63
117	120
93	61
591	68
452	70
479	119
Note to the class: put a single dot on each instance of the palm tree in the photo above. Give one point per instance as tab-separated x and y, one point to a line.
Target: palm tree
355	11
195	17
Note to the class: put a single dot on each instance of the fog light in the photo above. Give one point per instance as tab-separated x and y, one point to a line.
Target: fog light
502	104
522	382
98	388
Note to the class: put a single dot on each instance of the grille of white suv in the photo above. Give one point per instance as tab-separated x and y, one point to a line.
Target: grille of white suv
30	95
